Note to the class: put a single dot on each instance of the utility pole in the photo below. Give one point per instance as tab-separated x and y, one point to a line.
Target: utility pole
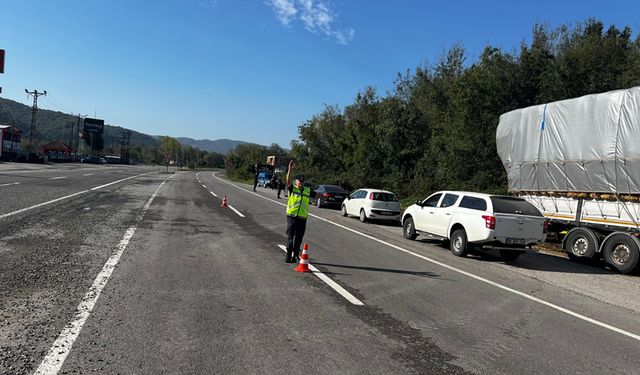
77	138
34	113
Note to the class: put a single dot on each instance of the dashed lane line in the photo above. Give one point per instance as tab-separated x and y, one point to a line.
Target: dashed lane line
234	210
60	349
58	178
462	272
214	194
87	174
335	286
10	184
67	196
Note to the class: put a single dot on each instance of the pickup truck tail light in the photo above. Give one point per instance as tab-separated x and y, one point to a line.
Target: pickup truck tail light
489	221
545	228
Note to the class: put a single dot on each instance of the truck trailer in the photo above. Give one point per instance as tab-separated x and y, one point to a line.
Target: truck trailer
578	162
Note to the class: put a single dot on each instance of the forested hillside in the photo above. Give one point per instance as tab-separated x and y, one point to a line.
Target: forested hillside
436	128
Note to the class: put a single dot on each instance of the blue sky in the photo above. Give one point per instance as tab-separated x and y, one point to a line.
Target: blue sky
243	69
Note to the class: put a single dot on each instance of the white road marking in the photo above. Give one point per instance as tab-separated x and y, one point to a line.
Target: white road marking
88	174
65	197
204	186
58	178
335	286
460	271
234	210
13	183
118	181
214	194
60	349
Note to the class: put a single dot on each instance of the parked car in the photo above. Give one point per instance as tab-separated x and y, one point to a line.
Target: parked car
372	204
329	195
474	220
264	178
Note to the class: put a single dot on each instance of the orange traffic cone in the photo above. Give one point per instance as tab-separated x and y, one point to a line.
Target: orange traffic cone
303	266
224	202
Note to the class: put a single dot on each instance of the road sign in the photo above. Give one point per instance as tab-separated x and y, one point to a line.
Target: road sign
1	61
93	125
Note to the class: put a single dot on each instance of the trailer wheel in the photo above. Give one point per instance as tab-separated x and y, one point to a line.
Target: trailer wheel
581	244
622	252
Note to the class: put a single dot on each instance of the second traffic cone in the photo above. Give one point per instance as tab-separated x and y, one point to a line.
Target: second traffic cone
224	202
303	266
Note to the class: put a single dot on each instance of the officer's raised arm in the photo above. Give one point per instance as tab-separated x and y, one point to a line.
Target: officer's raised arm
289	172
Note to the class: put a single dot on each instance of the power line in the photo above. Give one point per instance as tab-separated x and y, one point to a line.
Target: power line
34	113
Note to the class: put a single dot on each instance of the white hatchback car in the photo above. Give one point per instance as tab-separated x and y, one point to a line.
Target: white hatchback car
372	204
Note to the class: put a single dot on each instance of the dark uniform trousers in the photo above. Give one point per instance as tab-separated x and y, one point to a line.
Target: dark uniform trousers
295	231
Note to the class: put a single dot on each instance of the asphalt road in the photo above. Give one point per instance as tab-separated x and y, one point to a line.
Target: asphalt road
141	272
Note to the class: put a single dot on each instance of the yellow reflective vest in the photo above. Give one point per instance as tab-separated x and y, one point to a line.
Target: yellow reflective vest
298	204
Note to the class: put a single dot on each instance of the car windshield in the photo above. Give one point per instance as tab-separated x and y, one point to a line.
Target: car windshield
511	205
384	197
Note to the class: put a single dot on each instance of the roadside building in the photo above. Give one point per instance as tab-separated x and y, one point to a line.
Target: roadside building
10	140
57	151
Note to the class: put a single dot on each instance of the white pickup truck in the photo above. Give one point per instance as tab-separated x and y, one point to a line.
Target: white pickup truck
474	220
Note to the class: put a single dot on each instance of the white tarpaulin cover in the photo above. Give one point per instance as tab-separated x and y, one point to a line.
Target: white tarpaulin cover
586	144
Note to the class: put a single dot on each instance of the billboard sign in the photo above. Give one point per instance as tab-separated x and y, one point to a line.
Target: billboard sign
93	125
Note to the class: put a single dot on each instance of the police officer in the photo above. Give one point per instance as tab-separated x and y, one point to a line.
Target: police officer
297	213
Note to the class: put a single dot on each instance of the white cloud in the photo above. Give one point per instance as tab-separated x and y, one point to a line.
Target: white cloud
317	16
285	10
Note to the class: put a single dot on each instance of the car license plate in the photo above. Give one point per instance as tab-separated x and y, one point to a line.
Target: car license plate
386	213
515	241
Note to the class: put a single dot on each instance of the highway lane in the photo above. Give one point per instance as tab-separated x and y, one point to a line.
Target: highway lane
47	183
487	329
48	258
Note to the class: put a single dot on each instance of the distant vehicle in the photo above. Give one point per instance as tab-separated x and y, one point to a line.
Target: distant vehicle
264	178
474	220
93	160
329	195
372	204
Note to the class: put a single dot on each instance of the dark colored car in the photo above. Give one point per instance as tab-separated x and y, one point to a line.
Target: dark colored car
93	160
330	195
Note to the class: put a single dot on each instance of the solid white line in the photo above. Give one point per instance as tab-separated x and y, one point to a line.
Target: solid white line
58	178
335	286
454	269
63	198
13	183
88	174
60	349
115	182
214	194
234	210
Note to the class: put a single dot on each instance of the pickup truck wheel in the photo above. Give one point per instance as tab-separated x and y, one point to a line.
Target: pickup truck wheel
409	229
459	245
363	215
581	243
510	255
622	252
344	210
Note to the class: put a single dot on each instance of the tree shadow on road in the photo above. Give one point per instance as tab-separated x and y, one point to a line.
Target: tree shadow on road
375	269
